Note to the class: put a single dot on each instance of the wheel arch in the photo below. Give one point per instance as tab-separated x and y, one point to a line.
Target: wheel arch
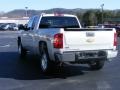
46	47
43	42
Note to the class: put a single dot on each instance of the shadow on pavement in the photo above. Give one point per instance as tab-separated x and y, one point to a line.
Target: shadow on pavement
12	67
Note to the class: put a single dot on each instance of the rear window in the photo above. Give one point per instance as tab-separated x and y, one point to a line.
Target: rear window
59	22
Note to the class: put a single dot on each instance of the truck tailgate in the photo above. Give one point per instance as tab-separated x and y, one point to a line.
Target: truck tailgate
89	39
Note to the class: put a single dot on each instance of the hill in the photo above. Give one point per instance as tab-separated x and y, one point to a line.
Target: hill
21	12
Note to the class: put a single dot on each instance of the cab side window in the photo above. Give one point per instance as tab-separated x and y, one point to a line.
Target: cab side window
36	18
32	22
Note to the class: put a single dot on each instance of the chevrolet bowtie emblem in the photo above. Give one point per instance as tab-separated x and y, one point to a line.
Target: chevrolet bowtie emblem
90	40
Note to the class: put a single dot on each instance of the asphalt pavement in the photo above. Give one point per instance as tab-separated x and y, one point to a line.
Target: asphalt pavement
16	74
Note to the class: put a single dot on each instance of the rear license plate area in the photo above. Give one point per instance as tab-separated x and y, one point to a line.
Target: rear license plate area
86	55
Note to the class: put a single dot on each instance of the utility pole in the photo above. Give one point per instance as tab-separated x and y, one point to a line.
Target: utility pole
26	13
102	19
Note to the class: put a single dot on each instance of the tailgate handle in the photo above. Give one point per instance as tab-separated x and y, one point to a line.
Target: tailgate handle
90	34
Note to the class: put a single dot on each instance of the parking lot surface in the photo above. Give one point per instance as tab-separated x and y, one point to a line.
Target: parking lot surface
16	74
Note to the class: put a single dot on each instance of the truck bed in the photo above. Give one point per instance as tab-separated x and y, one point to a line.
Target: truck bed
89	39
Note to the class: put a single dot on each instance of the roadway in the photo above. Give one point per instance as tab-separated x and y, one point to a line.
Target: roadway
16	74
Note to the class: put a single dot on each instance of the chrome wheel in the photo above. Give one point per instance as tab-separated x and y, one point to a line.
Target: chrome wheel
45	62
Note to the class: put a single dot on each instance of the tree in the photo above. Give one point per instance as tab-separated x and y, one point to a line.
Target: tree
98	16
89	18
117	14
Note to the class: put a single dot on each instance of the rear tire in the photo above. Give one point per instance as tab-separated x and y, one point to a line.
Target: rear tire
45	62
97	65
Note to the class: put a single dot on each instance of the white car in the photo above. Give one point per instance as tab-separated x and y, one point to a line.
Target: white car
60	38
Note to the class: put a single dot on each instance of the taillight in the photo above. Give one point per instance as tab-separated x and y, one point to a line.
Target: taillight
115	39
58	40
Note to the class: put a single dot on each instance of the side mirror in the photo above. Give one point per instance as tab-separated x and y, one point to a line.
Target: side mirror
23	27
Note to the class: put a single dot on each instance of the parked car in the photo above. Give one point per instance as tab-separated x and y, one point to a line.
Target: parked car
13	26
8	26
1	26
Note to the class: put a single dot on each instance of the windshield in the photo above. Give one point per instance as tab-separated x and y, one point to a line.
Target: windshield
59	22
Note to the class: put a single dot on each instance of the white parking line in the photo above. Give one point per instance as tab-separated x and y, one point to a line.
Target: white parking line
8	45
103	85
1	37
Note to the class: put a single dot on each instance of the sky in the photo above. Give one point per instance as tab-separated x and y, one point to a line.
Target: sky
8	5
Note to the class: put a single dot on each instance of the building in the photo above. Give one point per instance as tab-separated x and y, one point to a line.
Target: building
22	20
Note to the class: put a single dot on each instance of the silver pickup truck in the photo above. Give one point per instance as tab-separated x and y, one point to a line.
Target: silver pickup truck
59	38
